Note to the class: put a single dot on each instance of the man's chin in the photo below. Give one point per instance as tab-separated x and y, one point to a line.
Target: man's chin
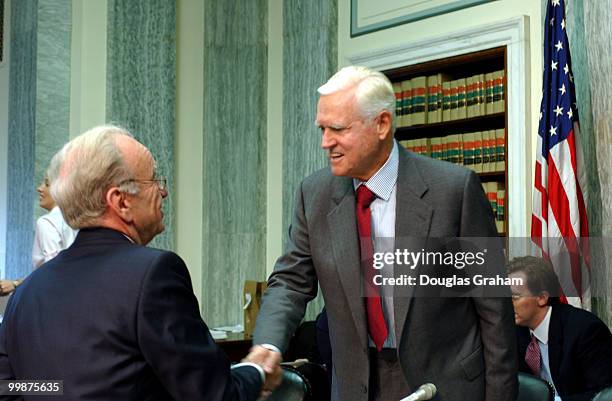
339	172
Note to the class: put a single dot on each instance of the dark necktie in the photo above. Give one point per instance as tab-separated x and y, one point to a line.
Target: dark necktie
533	356
376	321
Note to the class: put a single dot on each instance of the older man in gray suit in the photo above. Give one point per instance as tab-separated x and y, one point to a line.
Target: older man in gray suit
385	347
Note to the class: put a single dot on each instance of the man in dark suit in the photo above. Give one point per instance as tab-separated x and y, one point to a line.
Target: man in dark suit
566	346
385	347
110	317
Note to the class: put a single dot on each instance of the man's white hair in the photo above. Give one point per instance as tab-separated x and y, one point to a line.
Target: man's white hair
373	94
84	169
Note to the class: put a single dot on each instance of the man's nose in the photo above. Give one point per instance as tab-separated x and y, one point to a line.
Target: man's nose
327	140
164	193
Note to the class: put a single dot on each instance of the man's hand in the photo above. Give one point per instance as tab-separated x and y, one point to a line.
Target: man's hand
6	287
270	362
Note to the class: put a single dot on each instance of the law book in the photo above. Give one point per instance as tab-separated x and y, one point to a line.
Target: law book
489	83
461	99
454	149
397	90
446	101
486	151
436	148
468	150
419	101
498	91
471	99
492	145
500	150
478	152
481	95
445	150
442	78
500	221
406	103
453	99
432	99
491	191
426	146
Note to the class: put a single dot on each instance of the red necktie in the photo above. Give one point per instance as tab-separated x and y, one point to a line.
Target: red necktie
533	356
376	321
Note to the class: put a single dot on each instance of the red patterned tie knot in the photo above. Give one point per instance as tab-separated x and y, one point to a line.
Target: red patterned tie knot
533	356
365	197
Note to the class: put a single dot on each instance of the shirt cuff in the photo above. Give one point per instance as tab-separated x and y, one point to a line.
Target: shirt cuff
271	347
256	366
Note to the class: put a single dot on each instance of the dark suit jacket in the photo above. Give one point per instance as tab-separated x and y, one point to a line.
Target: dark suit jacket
465	346
116	321
579	351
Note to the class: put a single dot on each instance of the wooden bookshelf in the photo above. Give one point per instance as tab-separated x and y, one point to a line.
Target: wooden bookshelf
456	68
480	123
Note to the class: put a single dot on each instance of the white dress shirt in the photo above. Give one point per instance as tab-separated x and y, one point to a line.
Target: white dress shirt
384	184
52	235
541	334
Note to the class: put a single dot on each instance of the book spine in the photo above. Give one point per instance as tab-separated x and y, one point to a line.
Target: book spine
500	150
432	99
419	101
501	210
498	92
478	152
489	83
453	100
397	90
446	101
461	99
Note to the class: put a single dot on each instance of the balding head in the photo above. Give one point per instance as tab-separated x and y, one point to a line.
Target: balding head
108	179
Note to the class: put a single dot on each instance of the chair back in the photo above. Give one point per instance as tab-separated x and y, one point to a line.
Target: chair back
532	388
302	381
604	395
292	388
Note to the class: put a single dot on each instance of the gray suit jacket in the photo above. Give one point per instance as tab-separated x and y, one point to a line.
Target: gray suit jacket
465	346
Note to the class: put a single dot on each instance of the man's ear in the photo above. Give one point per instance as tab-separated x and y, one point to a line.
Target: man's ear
384	125
542	299
119	204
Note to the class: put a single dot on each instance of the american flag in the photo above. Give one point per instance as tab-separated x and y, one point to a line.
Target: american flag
559	225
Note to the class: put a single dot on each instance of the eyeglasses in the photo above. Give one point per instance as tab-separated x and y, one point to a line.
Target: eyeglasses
162	182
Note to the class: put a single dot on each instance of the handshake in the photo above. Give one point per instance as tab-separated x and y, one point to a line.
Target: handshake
269	360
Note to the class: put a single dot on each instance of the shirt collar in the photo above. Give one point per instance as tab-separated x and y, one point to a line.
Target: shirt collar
384	180
541	332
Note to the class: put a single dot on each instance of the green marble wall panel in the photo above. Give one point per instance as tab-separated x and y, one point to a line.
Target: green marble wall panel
22	117
140	86
39	112
590	36
234	187
52	85
310	53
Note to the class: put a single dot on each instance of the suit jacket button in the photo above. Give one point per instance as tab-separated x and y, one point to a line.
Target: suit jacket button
364	389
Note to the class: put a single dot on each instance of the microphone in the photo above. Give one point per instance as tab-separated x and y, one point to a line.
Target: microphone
425	392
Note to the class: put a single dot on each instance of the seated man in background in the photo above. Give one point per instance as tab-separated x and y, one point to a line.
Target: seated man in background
566	346
112	318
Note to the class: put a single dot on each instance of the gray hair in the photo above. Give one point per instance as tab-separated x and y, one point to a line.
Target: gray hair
374	91
84	169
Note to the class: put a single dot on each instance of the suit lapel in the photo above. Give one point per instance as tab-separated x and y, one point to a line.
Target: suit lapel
412	223
555	339
344	240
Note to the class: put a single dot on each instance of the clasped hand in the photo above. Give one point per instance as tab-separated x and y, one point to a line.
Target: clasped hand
270	362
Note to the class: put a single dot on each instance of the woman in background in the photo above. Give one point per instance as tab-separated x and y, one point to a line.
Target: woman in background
52	233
